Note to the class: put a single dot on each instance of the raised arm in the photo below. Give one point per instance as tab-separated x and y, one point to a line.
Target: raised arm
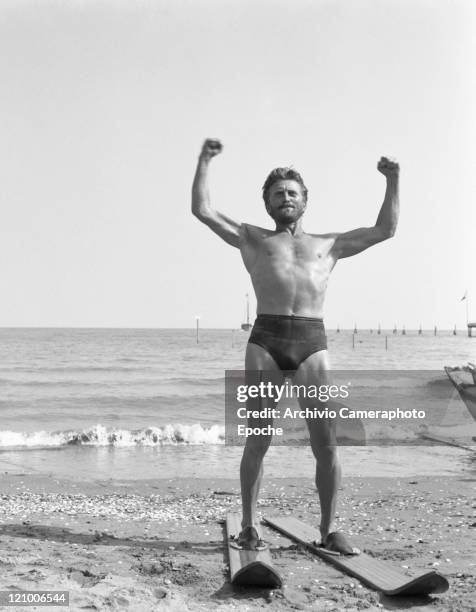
222	225
355	241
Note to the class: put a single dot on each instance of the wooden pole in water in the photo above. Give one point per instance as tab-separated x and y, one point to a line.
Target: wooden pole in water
197	319
386	343
353	341
435	331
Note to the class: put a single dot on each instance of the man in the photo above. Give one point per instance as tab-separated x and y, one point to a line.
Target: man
289	270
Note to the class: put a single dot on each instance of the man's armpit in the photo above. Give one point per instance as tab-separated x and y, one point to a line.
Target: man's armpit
243	234
251	237
356	241
250	234
328	245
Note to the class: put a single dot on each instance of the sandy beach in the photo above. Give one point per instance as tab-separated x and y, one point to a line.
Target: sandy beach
149	545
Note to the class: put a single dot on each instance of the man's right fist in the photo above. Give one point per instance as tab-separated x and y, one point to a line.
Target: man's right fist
388	167
211	147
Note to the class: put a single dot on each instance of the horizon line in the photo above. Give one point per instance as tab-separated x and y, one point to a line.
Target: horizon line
334	328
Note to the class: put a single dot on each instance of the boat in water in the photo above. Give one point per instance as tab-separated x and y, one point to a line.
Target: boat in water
247	326
464	379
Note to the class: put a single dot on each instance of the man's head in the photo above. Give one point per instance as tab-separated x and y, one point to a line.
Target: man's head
285	195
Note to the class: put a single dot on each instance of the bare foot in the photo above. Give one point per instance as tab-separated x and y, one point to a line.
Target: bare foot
249	540
336	543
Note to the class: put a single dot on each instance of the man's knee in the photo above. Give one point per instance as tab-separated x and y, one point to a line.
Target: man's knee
326	455
322	435
257	445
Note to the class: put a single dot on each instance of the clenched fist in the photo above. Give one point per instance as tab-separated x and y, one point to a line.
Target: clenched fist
210	148
388	167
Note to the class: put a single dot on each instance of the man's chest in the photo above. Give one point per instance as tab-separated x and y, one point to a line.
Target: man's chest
286	250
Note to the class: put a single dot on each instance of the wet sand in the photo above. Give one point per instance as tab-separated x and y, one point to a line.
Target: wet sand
160	544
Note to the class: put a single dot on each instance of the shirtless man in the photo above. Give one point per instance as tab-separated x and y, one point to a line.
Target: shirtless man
289	270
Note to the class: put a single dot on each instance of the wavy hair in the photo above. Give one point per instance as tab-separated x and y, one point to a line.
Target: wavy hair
283	174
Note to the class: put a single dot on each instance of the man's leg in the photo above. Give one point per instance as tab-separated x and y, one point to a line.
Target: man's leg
260	367
314	371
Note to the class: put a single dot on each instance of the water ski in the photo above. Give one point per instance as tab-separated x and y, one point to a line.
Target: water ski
376	574
249	567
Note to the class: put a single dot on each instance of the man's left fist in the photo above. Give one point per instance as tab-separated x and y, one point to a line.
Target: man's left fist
388	167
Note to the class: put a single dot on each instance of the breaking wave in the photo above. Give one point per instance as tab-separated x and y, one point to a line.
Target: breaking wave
170	434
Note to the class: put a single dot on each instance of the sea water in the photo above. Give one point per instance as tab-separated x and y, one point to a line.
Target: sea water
149	403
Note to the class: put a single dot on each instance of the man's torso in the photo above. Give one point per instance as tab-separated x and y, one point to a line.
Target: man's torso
289	273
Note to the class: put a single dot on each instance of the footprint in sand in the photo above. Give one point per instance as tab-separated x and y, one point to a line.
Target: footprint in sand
84	578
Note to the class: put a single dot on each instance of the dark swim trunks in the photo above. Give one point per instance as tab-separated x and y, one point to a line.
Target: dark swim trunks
289	340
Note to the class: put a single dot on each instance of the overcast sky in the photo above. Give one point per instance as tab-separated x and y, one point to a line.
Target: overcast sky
103	110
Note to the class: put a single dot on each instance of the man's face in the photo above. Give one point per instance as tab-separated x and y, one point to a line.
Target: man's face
286	202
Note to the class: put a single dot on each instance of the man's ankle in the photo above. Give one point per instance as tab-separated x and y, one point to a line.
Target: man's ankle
325	531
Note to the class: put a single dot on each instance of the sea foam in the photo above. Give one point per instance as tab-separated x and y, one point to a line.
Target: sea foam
170	434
